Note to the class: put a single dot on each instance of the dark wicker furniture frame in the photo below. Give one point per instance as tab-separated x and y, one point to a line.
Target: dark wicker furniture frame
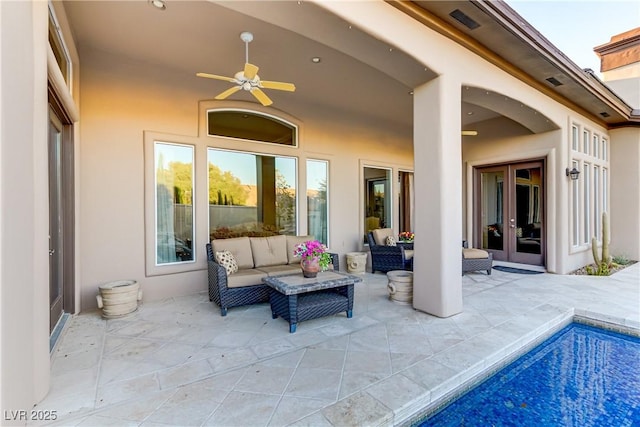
477	264
305	305
387	258
226	297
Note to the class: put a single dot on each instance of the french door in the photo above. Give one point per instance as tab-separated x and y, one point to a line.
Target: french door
56	251
509	211
61	214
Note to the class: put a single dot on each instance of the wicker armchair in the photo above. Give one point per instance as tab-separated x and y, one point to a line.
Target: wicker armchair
227	297
386	258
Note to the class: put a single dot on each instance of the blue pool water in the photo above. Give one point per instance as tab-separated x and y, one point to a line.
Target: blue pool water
582	376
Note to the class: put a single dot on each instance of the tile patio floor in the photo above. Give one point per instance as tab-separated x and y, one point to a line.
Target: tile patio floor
178	362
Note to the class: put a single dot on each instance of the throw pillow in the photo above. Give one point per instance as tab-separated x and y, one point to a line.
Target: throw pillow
390	241
226	259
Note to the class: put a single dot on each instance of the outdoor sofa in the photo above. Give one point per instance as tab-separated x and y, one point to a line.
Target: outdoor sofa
255	257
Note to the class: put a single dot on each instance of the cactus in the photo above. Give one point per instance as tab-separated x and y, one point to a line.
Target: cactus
606	258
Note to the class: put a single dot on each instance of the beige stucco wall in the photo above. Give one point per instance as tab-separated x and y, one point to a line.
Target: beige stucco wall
24	278
122	99
625	192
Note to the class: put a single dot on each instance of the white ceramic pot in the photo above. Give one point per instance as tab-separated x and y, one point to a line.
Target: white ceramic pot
117	299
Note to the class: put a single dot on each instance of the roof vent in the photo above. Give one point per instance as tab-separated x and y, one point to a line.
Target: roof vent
554	81
605	114
459	16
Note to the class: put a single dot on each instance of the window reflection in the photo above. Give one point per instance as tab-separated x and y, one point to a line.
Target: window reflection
251	194
174	203
492	214
317	206
378	201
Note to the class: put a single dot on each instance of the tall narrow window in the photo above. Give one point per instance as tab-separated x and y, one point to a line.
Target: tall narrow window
574	137
604	149
251	194
596	146
174	202
605	190
317	200
585	141
587	202
575	197
597	220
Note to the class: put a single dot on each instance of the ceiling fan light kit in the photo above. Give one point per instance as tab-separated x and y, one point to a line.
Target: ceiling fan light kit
248	79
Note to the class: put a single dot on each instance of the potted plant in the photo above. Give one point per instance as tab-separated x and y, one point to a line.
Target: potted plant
406	237
313	257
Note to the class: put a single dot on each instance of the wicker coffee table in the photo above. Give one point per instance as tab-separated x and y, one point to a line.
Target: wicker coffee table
296	298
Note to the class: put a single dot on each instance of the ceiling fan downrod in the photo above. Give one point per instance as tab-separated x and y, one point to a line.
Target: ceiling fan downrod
247	38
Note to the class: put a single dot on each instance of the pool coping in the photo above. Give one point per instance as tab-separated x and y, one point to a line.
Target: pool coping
412	415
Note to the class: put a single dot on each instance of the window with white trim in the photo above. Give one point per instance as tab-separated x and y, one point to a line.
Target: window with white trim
174	202
590	192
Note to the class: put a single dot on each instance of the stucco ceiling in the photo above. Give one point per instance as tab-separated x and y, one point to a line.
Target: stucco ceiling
358	74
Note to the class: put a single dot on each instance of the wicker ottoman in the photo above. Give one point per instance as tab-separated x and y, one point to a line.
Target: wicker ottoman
476	259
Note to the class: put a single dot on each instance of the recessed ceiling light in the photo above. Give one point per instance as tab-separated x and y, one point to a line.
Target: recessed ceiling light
316	59
158	4
469	132
470	113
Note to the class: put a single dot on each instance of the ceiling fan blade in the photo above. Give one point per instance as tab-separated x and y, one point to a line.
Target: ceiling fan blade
214	76
261	96
289	87
250	71
228	92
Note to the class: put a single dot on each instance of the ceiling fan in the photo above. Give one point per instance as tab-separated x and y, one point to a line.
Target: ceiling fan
248	78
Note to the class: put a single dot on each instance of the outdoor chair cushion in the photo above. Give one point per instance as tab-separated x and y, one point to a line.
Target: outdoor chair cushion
390	241
226	259
380	235
268	251
239	247
470	253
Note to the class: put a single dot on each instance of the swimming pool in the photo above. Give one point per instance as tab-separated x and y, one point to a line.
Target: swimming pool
581	376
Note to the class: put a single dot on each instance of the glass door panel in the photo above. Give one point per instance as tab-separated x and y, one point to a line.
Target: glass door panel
526	220
377	203
56	268
492	211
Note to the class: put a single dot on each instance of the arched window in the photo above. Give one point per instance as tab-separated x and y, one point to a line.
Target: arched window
252	126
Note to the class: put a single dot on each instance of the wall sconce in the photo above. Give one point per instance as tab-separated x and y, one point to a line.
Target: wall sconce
573	173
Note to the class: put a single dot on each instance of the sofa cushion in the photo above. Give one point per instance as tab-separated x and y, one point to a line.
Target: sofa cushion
226	259
390	241
270	250
239	247
279	270
474	254
292	242
248	277
380	235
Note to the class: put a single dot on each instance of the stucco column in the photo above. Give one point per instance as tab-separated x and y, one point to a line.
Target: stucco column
625	181
437	287
24	259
